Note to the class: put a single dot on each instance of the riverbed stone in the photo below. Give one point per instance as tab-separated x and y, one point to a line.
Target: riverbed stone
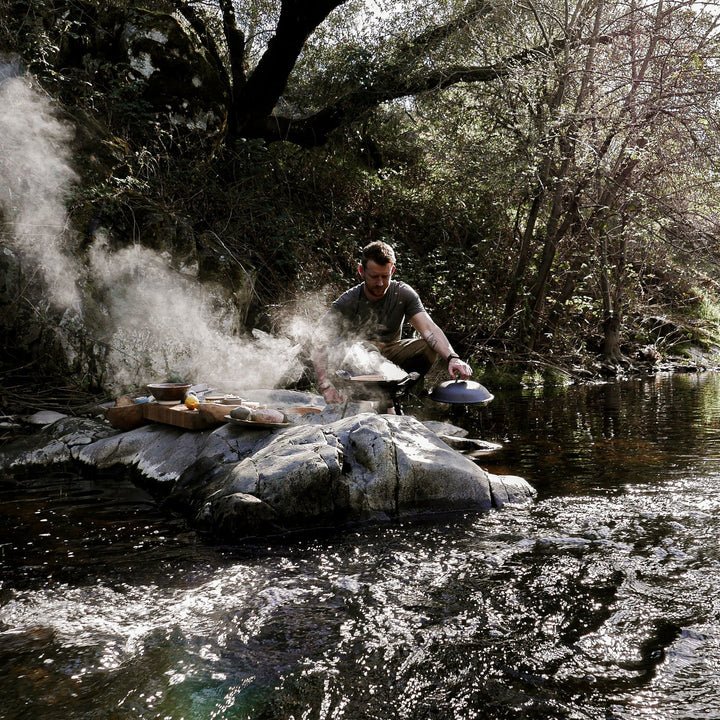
236	482
239	515
55	444
44	417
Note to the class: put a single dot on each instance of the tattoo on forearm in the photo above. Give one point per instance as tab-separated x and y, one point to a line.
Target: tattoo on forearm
431	340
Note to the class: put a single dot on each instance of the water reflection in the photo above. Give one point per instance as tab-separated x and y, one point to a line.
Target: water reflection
600	436
598	601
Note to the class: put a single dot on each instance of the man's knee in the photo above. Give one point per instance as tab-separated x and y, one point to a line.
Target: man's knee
421	360
411	355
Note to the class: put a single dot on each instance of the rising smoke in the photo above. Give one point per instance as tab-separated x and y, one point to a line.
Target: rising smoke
164	325
154	323
35	175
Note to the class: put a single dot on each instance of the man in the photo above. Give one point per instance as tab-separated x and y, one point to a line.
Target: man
375	310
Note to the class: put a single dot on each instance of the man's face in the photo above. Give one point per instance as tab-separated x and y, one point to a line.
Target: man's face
377	278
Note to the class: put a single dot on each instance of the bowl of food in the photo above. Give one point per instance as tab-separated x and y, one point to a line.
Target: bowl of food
168	392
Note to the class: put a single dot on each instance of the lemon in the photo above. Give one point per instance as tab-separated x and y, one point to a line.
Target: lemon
191	402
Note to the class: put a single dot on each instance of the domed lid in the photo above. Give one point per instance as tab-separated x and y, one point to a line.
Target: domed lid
461	391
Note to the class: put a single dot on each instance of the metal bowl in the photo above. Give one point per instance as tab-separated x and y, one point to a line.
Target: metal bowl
461	392
168	392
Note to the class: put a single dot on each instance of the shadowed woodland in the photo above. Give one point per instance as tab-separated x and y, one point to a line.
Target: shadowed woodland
547	171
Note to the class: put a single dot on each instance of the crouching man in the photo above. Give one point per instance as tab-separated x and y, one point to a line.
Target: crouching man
375	311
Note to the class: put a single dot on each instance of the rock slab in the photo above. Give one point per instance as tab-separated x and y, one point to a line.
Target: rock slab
236	482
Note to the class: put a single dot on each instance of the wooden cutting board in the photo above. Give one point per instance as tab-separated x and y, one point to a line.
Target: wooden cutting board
177	415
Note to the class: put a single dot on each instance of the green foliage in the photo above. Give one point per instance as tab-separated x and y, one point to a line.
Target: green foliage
476	185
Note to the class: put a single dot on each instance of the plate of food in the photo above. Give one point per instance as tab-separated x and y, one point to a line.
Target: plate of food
257	424
258	419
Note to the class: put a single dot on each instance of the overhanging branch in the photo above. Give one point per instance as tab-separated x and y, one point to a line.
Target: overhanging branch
312	130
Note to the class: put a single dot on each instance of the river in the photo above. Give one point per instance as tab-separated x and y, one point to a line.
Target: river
598	600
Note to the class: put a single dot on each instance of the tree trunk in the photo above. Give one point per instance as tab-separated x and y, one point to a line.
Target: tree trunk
611	340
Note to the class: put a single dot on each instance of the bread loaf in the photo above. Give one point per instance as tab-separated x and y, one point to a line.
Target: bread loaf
268	415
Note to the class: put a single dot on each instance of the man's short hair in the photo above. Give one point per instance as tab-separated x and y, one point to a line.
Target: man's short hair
378	252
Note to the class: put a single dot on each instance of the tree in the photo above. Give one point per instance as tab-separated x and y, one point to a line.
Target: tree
614	123
425	55
535	158
297	70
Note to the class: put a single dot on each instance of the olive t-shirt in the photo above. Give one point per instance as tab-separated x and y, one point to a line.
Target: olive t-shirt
379	321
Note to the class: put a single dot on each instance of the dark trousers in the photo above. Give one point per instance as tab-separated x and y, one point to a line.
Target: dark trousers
412	355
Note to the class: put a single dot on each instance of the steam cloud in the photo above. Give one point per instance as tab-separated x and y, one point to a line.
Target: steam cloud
35	174
162	324
153	322
363	358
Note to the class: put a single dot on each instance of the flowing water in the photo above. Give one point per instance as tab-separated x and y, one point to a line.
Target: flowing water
598	600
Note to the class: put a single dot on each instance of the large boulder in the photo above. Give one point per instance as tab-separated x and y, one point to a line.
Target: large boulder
152	63
180	81
237	482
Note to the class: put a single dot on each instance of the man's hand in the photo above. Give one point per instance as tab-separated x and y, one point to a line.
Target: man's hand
330	394
456	367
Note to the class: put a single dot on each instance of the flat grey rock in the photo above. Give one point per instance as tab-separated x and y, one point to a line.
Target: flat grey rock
324	470
44	417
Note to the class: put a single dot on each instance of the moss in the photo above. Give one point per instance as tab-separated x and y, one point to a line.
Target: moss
501	378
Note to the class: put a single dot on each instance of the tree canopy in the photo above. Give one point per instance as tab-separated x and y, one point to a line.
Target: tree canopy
325	64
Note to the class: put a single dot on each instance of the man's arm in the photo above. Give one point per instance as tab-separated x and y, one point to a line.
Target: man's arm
327	389
437	340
